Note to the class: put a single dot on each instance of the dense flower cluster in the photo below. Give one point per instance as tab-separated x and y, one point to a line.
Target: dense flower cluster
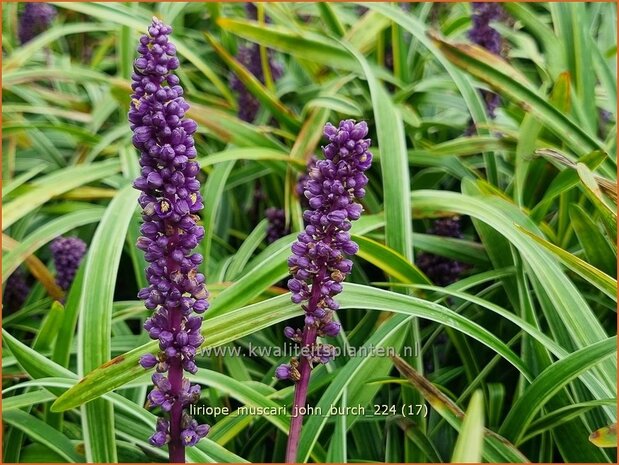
318	264
35	19
68	253
170	200
16	291
277	224
484	35
442	271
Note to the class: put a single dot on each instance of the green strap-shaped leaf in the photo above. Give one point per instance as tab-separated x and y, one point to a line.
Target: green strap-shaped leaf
41	432
470	443
388	260
45	234
55	184
495	448
510	83
238	323
571	308
95	323
551	381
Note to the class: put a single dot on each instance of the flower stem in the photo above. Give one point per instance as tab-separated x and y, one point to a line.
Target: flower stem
300	397
305	371
176	447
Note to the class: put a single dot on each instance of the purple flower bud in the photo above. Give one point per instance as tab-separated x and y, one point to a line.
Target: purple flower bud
159	439
283	371
289	332
332	329
202	430
148	361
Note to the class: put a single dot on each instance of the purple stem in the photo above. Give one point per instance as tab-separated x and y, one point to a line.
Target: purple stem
300	397
305	371
176	448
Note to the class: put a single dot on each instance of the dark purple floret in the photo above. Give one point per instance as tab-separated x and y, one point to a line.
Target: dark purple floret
192	431
68	253
277	224
249	56
170	200
484	35
283	371
440	270
35	19
161	436
447	227
16	291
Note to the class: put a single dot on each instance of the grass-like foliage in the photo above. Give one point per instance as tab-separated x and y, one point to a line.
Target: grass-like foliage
478	322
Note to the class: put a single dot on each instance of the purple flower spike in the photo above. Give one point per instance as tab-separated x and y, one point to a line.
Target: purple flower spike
318	263
35	19
68	253
16	291
489	38
442	271
170	200
249	56
277	224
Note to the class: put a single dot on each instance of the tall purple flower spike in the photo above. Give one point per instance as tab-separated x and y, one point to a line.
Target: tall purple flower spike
318	262
35	19
68	253
170	201
489	38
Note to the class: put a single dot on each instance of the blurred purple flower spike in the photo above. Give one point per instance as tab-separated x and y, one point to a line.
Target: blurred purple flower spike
68	253
35	18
